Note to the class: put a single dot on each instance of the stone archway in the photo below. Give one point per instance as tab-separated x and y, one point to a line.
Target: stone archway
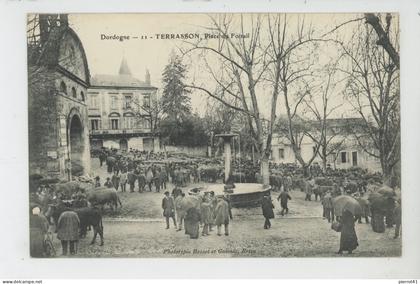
76	145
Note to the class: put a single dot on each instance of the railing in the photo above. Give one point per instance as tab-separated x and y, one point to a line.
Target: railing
120	131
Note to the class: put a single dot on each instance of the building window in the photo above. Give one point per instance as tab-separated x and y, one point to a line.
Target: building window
114	102
114	123
281	153
129	122
343	157
74	93
93	101
146	101
94	124
127	102
354	156
145	123
63	88
82	96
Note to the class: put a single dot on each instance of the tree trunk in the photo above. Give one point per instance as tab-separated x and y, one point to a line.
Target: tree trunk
324	164
265	171
305	169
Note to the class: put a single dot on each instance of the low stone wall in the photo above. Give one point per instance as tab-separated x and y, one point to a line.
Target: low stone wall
193	151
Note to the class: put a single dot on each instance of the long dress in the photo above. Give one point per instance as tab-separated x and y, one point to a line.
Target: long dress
192	220
38	229
348	237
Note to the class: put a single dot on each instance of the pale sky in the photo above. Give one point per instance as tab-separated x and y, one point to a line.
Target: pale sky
104	56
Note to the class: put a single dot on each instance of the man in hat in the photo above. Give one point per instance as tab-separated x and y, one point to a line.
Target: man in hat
284	197
168	206
267	209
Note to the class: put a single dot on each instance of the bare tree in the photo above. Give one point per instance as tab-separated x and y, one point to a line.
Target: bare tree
294	76
250	67
373	90
151	112
320	104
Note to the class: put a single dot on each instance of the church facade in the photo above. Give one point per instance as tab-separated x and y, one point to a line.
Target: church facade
120	111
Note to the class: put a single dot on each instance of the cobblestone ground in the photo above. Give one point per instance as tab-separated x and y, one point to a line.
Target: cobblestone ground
138	230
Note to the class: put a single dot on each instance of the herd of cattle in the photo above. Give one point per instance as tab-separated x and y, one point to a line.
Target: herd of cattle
88	201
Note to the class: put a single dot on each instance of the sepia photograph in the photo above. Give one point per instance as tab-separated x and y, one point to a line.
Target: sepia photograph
243	135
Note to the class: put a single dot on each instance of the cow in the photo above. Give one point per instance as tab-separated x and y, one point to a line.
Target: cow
88	216
67	189
276	182
102	196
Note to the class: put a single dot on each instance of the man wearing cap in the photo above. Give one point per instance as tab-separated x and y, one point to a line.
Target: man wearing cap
168	206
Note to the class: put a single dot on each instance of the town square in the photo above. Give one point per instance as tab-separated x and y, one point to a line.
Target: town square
214	135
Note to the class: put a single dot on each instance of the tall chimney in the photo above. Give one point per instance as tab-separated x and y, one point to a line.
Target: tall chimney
147	77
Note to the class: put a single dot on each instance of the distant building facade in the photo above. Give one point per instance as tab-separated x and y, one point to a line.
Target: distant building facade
58	78
119	111
348	154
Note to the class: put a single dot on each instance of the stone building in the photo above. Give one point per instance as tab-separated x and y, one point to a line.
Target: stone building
348	154
120	111
58	78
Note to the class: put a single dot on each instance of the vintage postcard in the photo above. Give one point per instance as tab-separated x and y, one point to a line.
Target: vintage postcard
214	135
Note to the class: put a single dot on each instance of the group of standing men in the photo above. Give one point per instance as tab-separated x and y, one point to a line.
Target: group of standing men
207	210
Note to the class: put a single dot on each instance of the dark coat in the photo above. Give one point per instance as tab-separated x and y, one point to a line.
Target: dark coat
267	207
168	206
284	197
68	226
39	227
192	219
348	238
222	212
206	213
131	177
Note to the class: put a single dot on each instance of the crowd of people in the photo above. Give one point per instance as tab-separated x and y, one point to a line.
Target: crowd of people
147	171
207	209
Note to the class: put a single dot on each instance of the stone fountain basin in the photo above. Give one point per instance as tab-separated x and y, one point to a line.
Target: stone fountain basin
244	194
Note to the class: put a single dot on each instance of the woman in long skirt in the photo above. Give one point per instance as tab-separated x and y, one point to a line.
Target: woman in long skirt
38	229
348	237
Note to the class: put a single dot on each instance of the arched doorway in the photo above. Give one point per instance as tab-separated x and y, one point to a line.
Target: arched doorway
123	144
76	145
